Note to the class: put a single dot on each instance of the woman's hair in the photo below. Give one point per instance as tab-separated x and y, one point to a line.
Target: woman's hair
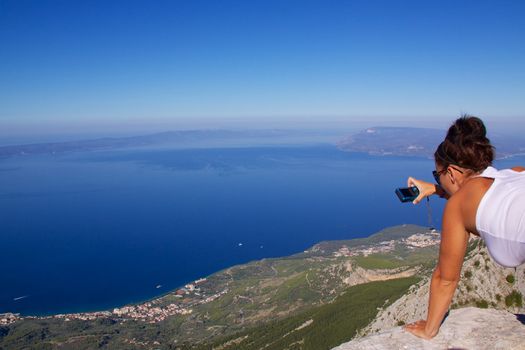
466	145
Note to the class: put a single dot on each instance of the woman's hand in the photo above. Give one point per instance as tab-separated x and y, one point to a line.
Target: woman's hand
418	329
426	189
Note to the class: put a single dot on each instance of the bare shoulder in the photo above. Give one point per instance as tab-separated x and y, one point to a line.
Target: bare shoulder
518	168
476	186
470	196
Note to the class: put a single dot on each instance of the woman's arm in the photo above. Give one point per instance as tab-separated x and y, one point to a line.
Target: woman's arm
454	239
426	189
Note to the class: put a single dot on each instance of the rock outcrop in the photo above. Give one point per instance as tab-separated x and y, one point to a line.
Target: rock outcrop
498	323
467	328
483	283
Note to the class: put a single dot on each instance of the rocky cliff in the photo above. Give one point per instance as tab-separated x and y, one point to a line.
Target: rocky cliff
483	284
466	328
497	321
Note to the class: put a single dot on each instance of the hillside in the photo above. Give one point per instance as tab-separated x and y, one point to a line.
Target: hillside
321	327
483	284
315	299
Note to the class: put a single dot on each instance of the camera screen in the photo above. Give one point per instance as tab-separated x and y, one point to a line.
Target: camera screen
408	192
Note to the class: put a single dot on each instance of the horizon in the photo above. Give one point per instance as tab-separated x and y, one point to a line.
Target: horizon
65	132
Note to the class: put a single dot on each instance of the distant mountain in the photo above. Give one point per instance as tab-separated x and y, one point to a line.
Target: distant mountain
393	141
169	138
416	142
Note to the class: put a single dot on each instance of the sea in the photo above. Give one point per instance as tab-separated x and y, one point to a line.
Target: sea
88	231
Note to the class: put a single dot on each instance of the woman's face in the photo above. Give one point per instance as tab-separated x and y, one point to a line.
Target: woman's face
448	178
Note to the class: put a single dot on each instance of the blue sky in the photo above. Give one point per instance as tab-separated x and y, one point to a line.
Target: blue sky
71	65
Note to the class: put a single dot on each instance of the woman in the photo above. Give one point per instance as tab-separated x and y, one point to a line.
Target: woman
481	200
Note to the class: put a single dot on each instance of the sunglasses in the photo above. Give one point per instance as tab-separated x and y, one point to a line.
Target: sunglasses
437	174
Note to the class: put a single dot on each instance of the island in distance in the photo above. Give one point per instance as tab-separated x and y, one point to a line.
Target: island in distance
417	142
174	139
378	141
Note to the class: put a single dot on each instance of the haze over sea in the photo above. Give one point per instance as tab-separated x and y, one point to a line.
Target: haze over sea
94	230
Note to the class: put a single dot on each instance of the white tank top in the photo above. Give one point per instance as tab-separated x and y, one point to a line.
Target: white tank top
500	219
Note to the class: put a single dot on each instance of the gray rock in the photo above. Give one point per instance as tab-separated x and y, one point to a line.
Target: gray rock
467	328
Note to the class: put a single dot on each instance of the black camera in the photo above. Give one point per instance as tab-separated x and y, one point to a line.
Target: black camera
407	194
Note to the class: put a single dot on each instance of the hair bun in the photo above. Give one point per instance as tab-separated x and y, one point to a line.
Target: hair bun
466	144
467	127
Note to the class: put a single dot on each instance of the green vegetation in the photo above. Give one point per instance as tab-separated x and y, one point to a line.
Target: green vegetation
425	257
37	334
378	261
322	327
468	274
295	288
482	304
514	298
473	244
510	278
390	233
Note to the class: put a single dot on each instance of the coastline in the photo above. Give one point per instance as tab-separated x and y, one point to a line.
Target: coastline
184	299
80	310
